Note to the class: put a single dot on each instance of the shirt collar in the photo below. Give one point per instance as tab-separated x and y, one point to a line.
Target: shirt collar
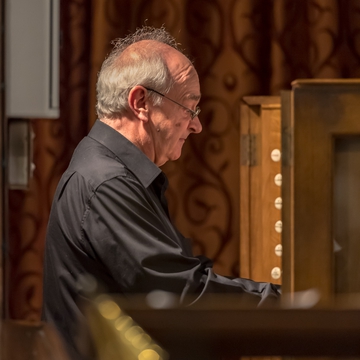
129	154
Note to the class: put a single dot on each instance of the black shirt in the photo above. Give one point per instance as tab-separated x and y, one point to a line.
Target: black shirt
110	219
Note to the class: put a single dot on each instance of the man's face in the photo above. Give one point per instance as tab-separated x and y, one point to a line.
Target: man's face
172	123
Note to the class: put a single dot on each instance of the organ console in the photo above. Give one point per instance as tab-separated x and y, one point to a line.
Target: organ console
299	192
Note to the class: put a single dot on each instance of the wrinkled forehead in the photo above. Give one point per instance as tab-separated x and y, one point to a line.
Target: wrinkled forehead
178	64
184	74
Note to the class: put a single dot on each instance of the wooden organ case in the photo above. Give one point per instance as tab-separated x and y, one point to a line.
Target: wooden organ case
320	190
321	186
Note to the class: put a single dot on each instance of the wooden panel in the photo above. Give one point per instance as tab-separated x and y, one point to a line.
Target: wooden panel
260	135
346	214
287	191
3	197
244	193
319	112
30	341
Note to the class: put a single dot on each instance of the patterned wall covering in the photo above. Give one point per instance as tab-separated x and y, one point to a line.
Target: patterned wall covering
239	47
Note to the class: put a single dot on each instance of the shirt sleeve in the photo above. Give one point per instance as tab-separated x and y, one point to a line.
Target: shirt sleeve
133	240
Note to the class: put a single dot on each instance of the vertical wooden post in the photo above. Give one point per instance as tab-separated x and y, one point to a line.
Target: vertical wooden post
260	193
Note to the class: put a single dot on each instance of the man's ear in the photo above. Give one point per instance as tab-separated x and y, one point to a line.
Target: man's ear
138	102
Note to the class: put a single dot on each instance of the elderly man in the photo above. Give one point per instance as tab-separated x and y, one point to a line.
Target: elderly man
109	216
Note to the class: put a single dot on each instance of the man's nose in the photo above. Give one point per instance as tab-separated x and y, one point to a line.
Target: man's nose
195	125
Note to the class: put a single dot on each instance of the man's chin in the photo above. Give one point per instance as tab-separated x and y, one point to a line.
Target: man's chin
173	156
176	156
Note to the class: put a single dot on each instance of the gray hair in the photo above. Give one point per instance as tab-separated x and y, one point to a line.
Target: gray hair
122	70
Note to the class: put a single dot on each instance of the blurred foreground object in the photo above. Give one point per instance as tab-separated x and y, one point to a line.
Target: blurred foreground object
117	336
21	340
223	327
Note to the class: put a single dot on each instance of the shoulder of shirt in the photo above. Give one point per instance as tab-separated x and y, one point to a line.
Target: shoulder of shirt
96	164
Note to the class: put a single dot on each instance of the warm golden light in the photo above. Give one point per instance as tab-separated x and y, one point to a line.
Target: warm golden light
123	323
109	309
141	341
128	335
132	332
149	354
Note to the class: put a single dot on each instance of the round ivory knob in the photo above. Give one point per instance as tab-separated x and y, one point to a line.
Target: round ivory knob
276	273
278	179
278	249
278	226
278	203
276	155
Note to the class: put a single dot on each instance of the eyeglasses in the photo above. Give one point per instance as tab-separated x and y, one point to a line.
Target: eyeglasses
192	113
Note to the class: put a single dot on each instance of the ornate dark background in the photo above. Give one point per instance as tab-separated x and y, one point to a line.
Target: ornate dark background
239	47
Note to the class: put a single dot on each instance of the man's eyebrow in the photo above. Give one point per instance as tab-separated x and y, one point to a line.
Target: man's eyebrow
193	97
